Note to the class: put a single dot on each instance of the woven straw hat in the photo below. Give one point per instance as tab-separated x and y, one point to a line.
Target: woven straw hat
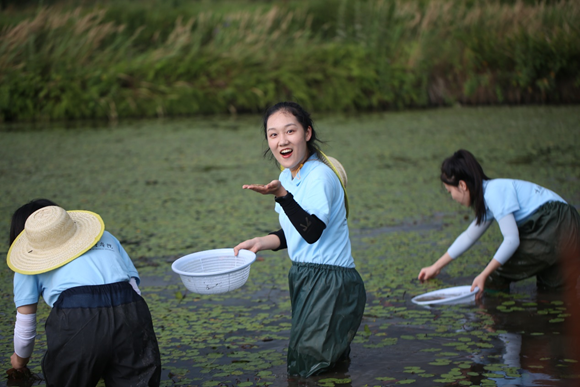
53	237
337	167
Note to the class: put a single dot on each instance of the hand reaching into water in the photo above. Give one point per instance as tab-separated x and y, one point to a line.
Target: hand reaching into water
20	372
14	374
19	363
479	284
479	281
428	273
434	270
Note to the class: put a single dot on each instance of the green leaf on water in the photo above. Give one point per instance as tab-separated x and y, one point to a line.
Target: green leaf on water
496	376
440	363
334	381
367	330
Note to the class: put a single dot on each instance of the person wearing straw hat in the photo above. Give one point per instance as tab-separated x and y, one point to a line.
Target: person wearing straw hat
327	293
99	325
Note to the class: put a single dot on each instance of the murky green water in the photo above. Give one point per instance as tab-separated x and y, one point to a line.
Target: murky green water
169	188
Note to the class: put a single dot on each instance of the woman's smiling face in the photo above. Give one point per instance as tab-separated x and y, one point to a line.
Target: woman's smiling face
287	140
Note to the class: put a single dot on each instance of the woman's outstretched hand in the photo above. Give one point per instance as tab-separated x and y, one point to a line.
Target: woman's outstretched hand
272	188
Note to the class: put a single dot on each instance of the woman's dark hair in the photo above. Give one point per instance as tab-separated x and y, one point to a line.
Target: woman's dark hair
303	118
463	166
20	215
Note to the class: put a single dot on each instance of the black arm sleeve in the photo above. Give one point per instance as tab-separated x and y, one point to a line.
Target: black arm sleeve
308	226
282	237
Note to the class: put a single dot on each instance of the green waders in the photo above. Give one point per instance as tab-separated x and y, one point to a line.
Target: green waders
547	237
327	308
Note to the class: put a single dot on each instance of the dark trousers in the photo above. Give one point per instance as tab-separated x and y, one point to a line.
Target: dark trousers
103	331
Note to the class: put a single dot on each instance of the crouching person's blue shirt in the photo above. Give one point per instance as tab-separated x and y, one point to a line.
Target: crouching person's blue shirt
106	263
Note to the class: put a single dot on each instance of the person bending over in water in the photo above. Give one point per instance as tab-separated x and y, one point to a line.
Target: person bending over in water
99	325
539	228
327	293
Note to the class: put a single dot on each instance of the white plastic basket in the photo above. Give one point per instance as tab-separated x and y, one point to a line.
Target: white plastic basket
214	271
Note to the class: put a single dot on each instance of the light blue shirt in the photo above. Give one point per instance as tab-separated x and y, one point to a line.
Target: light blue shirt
318	191
522	198
106	263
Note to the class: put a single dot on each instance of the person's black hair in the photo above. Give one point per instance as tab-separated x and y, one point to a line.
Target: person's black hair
463	166
20	215
302	116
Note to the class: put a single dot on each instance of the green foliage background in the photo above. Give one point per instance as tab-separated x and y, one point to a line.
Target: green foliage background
72	59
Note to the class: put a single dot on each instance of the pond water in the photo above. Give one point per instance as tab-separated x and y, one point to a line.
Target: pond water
517	339
173	187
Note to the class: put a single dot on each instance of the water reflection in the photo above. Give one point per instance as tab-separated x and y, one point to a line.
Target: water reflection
532	343
339	376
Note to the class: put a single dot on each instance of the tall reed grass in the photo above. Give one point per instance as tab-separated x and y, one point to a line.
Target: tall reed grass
329	55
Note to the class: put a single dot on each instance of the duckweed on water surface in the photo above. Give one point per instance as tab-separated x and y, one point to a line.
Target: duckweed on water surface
171	187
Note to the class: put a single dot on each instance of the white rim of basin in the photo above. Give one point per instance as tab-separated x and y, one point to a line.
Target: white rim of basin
450	295
248	255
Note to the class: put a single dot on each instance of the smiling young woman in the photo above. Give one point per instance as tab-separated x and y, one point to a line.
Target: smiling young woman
288	140
327	294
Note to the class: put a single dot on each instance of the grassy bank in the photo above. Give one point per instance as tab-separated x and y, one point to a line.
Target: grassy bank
133	59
